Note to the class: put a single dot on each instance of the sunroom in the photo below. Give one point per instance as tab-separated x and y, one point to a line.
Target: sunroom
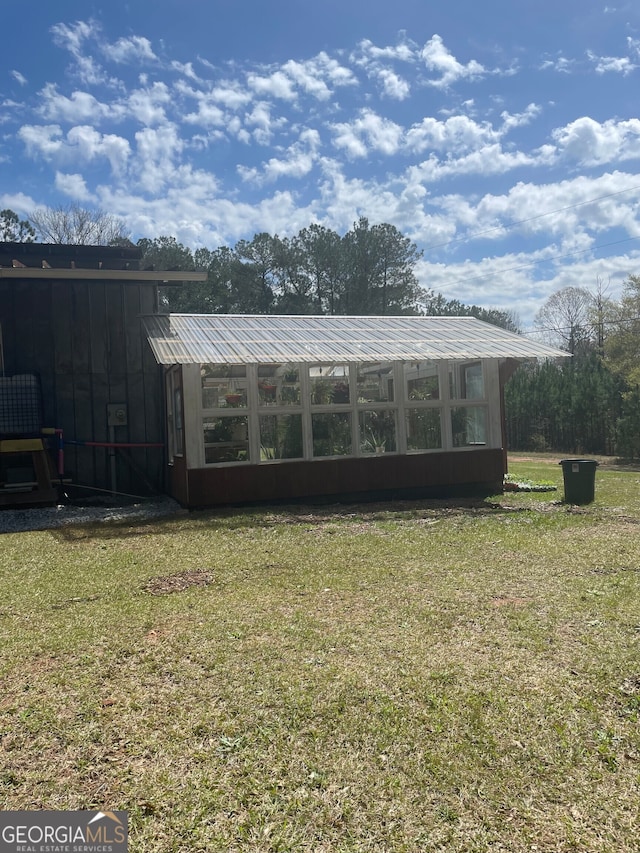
286	407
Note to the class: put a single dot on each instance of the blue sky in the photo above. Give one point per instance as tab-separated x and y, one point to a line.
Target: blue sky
502	137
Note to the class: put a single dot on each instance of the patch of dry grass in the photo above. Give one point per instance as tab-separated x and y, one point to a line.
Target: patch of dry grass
400	677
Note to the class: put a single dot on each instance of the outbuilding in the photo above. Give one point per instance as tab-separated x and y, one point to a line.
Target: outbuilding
262	408
75	363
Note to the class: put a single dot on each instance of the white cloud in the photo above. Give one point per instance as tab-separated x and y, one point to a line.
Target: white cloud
276	85
393	86
511	120
572	211
264	123
8	104
308	79
366	133
73	38
74	186
157	150
187	69
317	77
21	203
19	78
560	64
208	114
450	163
130	50
337	74
80	107
230	94
403	51
460	134
457	134
297	163
148	105
195	215
617	64
343	199
486	161
89	144
117	151
438	58
376	62
213	105
42	139
591	143
81	144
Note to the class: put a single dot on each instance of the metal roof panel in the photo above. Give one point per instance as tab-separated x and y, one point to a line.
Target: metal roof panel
241	338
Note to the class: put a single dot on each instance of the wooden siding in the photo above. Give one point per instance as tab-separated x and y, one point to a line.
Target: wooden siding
426	475
85	342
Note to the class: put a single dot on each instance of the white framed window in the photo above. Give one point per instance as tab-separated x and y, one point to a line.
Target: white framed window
377	430
279	385
329	385
271	413
423	428
421	381
226	439
331	434
281	437
224	386
375	382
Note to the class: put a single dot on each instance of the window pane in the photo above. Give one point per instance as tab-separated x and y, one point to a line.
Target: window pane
281	437
289	394
278	385
331	434
223	386
469	425
377	432
424	431
329	384
466	381
473	382
226	439
421	380
375	382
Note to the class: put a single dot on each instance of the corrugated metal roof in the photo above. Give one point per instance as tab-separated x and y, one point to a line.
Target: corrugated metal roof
246	339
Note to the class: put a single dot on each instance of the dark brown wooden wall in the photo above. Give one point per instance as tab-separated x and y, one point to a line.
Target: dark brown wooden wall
85	342
422	474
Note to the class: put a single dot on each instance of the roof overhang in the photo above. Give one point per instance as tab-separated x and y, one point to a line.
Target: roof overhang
270	339
161	276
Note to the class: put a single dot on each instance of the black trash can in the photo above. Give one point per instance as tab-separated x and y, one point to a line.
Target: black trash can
579	480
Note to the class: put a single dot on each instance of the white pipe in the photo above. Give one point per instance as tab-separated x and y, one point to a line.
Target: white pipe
112	461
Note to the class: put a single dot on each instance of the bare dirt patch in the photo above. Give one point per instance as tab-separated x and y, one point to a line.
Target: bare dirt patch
179	582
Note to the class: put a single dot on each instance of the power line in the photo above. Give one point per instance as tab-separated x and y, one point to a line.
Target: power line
529	219
536	263
587	325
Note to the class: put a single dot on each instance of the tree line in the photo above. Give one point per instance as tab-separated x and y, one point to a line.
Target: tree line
589	403
371	269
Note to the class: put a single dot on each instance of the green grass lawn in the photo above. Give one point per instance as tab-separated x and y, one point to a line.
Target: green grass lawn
385	677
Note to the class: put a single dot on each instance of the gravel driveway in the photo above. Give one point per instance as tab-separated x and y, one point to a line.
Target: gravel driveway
43	518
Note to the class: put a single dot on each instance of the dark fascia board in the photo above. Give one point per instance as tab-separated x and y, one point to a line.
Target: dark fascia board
63	254
160	276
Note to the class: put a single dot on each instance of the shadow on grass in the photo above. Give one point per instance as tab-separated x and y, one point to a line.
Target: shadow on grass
263	516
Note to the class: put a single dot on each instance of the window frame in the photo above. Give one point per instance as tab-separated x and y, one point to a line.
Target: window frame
255	408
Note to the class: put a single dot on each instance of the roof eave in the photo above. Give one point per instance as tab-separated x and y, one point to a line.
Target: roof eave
161	276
